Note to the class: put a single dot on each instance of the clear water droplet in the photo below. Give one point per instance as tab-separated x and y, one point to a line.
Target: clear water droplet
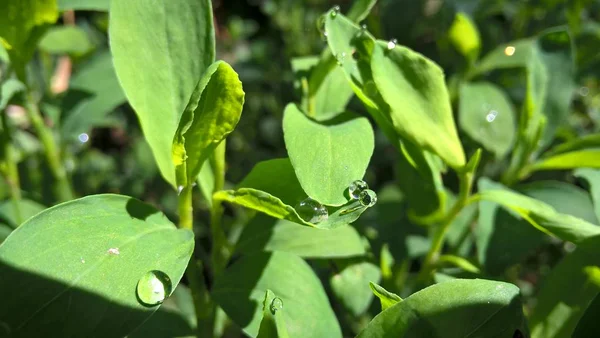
392	44
363	27
179	189
356	188
491	116
312	211
370	88
340	58
153	288
367	198
334	11
276	305
83	137
509	50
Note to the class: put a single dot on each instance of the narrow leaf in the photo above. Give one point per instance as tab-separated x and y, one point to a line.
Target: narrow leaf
387	298
576	159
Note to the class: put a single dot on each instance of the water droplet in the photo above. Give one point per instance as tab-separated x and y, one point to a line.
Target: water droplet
584	91
356	188
340	58
82	260
370	88
334	11
276	304
367	198
83	137
114	251
153	288
491	116
509	50
392	44
363	27
179	189
312	211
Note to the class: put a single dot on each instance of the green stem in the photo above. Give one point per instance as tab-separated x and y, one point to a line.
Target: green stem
200	294
220	248
62	188
11	172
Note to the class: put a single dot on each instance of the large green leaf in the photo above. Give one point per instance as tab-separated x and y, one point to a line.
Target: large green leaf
264	233
566	292
592	176
351	286
457	308
327	157
81	262
91	5
70	40
97	78
487	116
22	24
240	291
211	114
159	60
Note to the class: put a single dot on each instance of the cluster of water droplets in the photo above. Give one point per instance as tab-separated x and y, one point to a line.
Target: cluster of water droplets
153	288
359	190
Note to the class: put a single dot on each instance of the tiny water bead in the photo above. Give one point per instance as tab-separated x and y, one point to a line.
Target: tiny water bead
340	58
392	44
83	137
312	211
276	304
509	50
491	116
335	11
367	198
356	188
153	288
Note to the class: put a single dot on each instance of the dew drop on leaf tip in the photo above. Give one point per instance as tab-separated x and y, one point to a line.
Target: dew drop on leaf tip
153	288
312	211
276	304
367	198
356	187
335	11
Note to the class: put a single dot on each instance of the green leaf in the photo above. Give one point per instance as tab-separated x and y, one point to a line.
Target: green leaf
88	5
5	231
264	233
544	217
580	143
459	262
588	324
483	308
211	114
8	89
360	10
272	324
414	88
158	61
241	288
464	35
487	116
566	293
70	40
575	159
206	182
97	78
88	254
339	151
516	54
351	286
28	209
22	24
386	298
592	176
286	187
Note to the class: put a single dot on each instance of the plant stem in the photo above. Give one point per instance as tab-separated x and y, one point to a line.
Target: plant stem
11	172
195	276
220	249
62	188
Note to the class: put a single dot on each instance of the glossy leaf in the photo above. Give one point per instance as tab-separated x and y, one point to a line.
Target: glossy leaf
327	157
211	114
483	308
464	35
264	233
241	288
66	40
592	176
87	254
22	24
90	5
487	116
386	298
351	286
272	324
159	61
566	292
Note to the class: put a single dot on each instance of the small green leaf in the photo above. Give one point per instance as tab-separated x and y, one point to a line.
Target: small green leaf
386	298
8	89
272	324
566	293
459	262
70	40
87	5
264	233
22	24
464	35
351	286
158	61
286	187
592	176
28	209
580	143
483	308
487	116
240	291
360	10
212	113
575	159
87	254
327	157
